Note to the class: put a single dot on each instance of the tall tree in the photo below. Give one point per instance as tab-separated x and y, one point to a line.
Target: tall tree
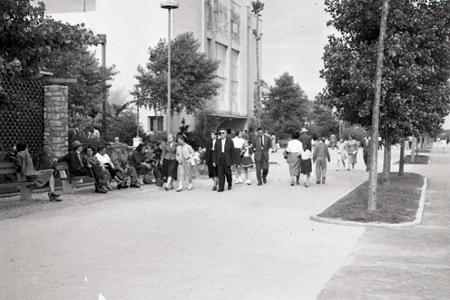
286	107
415	93
193	76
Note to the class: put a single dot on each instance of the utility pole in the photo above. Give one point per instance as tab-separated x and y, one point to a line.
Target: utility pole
373	174
257	8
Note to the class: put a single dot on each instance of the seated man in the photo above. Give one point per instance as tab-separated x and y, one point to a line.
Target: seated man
137	161
119	157
78	165
27	171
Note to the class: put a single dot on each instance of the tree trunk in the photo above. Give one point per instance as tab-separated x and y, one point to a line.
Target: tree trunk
401	163
373	176
387	160
258	79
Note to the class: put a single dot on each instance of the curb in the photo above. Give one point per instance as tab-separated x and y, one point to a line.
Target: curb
417	220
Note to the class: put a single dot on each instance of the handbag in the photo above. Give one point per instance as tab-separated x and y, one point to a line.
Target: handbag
285	154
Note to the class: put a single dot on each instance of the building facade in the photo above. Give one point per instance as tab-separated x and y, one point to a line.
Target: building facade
223	27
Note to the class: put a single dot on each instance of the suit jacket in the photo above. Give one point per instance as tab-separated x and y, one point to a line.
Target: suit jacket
74	162
261	152
228	153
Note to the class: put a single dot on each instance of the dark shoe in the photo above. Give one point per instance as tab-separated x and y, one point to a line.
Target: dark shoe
292	184
101	191
134	185
323	180
317	182
214	188
229	187
259	183
53	197
109	188
219	191
264	180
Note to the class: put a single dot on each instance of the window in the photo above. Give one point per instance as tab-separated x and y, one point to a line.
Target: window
221	55
156	123
222	19
234	80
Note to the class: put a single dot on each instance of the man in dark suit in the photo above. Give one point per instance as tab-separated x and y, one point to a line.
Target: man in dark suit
223	159
260	146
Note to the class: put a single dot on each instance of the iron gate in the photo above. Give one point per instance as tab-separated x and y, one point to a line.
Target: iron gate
22	113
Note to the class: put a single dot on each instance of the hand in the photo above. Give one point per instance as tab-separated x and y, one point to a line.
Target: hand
214	164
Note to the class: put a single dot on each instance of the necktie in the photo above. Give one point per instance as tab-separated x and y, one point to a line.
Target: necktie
262	141
79	158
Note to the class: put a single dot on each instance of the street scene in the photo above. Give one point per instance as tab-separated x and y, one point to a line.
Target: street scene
224	149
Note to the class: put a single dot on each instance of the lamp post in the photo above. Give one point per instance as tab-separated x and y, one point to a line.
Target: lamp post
103	43
169	5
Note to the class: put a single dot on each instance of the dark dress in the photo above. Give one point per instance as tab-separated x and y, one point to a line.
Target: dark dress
170	163
212	170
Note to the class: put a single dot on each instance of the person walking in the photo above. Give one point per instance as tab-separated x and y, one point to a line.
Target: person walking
209	157
238	142
223	159
306	163
184	155
247	161
352	151
294	150
320	157
261	145
169	161
341	154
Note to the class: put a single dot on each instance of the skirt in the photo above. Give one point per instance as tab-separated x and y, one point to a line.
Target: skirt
247	162
43	177
237	158
305	166
294	164
169	168
212	171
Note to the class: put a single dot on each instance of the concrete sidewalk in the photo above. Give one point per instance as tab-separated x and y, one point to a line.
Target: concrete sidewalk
409	263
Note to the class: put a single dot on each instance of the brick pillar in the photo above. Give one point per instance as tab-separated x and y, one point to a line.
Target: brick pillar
56	119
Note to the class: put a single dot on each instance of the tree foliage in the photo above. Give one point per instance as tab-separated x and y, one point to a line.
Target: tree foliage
286	108
416	94
193	76
322	122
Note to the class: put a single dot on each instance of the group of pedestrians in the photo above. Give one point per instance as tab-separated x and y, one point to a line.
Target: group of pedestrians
300	157
224	152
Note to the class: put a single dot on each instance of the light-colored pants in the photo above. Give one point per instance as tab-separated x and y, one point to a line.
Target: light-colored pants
321	168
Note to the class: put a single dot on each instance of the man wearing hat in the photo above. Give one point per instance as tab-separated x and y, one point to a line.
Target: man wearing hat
78	166
260	146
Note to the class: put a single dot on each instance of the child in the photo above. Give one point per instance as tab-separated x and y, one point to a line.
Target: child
247	161
184	154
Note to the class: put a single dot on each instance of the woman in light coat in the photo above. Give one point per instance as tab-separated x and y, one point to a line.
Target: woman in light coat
184	155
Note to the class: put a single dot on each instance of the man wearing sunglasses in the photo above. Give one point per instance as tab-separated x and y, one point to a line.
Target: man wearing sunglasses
223	159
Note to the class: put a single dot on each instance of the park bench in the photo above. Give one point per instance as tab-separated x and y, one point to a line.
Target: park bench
69	183
25	187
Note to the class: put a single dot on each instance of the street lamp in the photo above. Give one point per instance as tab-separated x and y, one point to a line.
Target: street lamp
169	5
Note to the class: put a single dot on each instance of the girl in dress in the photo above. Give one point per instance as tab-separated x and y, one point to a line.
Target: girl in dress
238	142
169	161
184	155
246	161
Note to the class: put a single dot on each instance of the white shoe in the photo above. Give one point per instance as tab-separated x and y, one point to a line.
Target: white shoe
240	180
237	181
189	187
179	189
248	182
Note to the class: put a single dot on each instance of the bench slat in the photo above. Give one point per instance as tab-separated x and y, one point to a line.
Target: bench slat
16	184
8	171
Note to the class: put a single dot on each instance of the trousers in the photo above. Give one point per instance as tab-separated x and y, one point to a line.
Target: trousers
262	165
321	168
223	171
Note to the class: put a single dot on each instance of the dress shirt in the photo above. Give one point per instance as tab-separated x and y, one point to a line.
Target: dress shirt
104	159
294	146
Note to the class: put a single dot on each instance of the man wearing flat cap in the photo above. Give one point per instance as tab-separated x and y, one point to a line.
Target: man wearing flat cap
78	166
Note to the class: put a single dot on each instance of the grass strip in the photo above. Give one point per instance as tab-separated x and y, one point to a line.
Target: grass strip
396	202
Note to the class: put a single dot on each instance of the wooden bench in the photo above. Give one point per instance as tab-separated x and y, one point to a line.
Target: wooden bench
26	187
69	183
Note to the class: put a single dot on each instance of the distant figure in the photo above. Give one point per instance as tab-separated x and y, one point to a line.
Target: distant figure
352	151
294	150
306	158
184	155
274	143
169	161
209	157
320	157
261	145
341	154
247	161
238	142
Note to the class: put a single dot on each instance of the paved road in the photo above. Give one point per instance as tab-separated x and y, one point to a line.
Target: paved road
247	243
410	263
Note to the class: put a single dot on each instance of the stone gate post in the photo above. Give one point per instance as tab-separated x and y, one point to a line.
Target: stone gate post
56	119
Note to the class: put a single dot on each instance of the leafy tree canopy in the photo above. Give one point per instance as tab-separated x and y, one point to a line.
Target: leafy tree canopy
286	108
416	94
193	76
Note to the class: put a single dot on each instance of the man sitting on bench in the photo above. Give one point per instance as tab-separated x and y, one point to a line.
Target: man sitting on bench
27	171
78	166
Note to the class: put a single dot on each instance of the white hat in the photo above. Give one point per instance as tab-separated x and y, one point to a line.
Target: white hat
304	130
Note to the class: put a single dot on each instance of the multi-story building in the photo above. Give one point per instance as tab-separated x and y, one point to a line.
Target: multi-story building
223	27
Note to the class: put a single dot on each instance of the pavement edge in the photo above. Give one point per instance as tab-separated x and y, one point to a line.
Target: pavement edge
417	220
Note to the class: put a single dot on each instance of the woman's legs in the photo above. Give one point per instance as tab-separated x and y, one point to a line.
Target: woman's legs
247	181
